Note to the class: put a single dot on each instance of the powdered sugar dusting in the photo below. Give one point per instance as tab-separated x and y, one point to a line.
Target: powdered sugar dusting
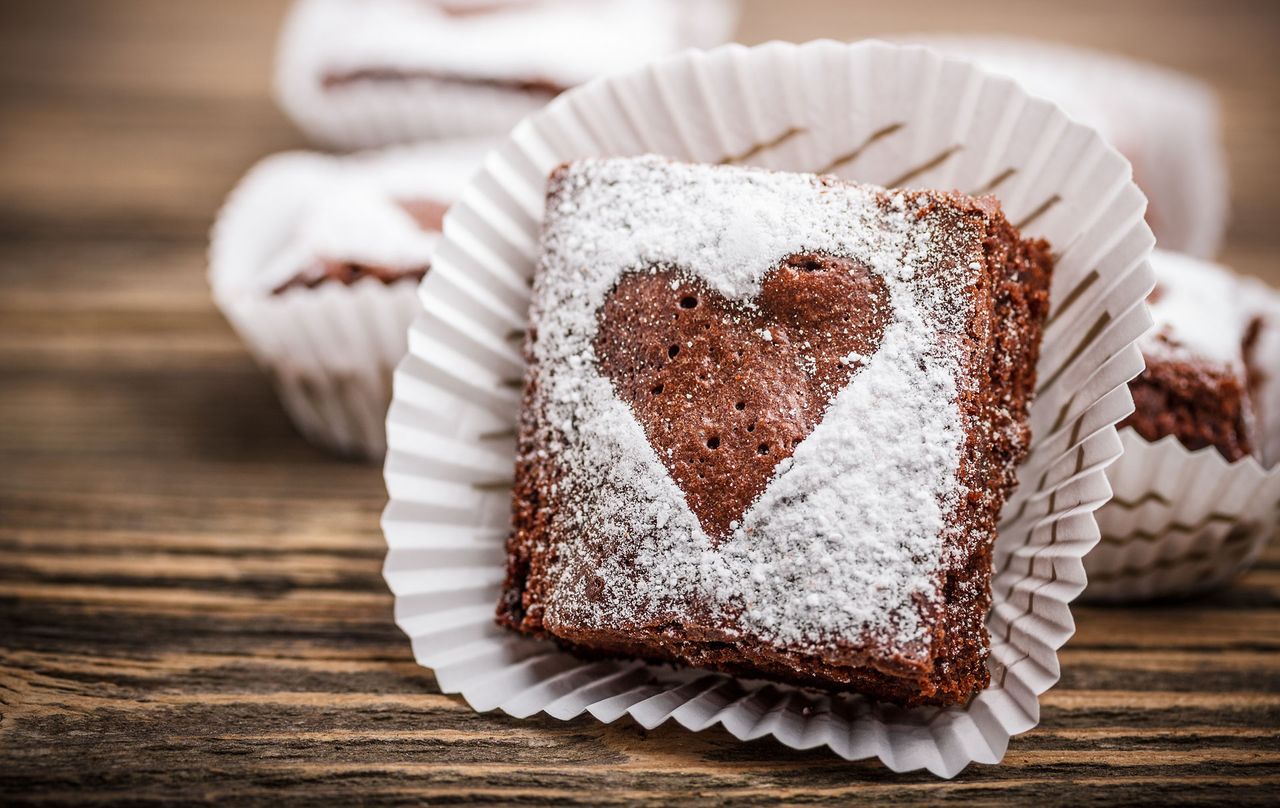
1203	313
845	543
297	208
1199	312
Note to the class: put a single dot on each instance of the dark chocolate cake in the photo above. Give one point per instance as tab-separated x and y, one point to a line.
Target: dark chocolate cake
769	423
1204	380
1198	402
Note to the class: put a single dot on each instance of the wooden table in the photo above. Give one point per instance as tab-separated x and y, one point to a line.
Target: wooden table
191	605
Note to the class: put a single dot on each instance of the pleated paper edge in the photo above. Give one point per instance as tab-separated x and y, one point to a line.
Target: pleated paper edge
1166	534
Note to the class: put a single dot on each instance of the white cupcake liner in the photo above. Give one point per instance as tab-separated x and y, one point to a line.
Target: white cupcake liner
1181	522
868	111
1165	122
378	113
330	350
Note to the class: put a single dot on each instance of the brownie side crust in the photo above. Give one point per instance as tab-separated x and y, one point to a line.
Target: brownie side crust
1019	273
1000	350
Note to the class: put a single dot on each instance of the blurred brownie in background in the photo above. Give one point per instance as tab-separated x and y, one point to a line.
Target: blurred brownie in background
359	73
303	219
315	261
1212	360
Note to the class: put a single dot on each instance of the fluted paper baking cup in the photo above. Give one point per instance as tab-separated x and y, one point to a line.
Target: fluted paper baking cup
869	111
1181	522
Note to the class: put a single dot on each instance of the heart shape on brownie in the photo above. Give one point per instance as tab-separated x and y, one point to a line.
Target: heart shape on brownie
725	390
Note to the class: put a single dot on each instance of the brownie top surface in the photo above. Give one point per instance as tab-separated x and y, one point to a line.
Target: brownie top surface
845	541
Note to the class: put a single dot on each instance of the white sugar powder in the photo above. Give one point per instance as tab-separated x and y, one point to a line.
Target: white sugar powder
298	208
847	537
1199	311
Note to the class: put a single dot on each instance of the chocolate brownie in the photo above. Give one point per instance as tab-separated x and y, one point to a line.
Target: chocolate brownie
1200	403
1197	382
769	423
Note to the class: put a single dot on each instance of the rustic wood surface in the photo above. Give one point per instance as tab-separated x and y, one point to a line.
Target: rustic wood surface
191	604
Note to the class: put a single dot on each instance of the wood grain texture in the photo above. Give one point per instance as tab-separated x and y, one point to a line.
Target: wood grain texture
191	604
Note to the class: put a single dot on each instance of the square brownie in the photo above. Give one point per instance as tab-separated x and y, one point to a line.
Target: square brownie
306	220
769	423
